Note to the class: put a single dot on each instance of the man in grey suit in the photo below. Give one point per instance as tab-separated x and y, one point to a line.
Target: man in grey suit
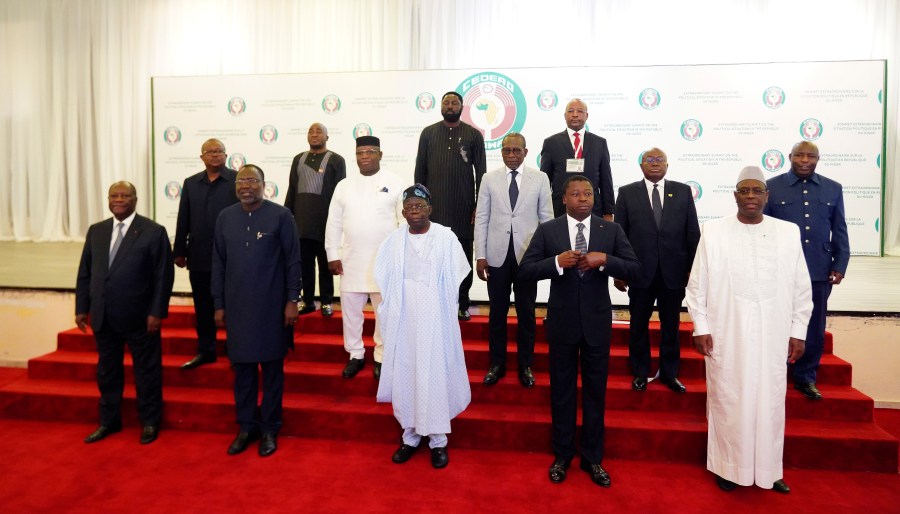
512	202
124	283
660	220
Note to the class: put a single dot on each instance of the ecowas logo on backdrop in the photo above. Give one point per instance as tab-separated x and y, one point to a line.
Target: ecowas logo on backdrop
425	102
236	161
362	129
547	100
173	190
772	160
172	135
811	129
236	106
691	130
270	190
696	190
649	99
331	104
494	104
268	134
773	97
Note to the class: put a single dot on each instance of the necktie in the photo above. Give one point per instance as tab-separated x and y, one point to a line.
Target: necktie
513	189
118	243
657	205
580	243
577	146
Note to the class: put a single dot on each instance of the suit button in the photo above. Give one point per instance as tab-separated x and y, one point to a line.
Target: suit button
807	227
806	215
806	241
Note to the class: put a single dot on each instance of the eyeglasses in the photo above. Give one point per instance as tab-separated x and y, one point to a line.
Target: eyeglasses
744	191
653	160
416	207
247	181
511	151
367	153
213	152
579	111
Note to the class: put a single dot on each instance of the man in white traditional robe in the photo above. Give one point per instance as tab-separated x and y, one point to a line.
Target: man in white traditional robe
750	298
419	269
365	208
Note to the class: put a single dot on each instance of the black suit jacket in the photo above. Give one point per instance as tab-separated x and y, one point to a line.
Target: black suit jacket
557	148
576	302
672	245
137	285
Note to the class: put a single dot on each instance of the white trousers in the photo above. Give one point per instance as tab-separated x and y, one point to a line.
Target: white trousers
411	438
352	305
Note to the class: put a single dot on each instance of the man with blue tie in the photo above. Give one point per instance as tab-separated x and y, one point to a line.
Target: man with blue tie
578	252
512	202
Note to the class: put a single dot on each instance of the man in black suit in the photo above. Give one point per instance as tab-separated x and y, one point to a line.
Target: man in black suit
578	252
577	152
124	283
660	220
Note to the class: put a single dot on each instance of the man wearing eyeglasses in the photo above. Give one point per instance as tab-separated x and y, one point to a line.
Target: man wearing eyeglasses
450	162
365	208
750	298
512	202
660	220
575	151
816	205
203	196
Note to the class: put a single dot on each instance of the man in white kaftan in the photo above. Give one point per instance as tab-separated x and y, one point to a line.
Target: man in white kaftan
418	269
750	299
365	208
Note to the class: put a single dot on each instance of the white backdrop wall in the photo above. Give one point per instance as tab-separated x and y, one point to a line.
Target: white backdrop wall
75	87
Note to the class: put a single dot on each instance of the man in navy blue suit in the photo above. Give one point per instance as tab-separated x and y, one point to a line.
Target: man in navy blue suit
660	220
578	252
816	204
124	283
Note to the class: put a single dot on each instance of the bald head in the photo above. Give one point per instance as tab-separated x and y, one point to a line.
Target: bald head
804	159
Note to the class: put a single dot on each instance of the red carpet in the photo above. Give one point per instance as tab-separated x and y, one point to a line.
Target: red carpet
501	443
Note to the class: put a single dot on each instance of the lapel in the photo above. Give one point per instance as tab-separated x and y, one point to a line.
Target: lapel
527	181
567	145
597	234
104	241
134	231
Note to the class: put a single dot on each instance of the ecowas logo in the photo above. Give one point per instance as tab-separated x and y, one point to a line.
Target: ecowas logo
268	134
649	99
362	129
811	129
425	102
236	106
172	135
696	190
773	160
773	97
494	104
331	104
270	191
691	130
547	100
236	161
173	190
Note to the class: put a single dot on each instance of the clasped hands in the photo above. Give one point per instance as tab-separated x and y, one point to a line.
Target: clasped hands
581	261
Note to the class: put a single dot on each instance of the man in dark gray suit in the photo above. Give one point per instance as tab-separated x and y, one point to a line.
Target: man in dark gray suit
512	202
573	152
578	252
660	220
124	283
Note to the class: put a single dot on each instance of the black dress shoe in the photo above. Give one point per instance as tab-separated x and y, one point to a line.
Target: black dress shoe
352	368
376	371
199	360
101	432
403	453
327	310
267	445
599	475
639	383
464	315
558	469
241	441
494	374
526	377
725	485
808	390
439	457
149	434
780	487
675	385
306	308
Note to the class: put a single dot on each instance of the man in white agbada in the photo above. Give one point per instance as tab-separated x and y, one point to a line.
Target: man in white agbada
419	269
750	298
365	208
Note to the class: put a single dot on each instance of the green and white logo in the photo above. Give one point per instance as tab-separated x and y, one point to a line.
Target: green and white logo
494	104
773	97
547	100
649	99
811	129
331	104
773	160
691	130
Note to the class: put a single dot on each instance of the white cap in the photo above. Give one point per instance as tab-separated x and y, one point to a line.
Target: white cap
751	173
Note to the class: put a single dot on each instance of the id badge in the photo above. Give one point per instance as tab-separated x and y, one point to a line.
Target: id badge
574	165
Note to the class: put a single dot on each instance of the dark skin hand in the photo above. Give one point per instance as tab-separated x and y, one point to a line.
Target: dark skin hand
181	261
591	260
335	267
835	277
796	347
704	344
608	217
481	268
81	320
621	285
290	313
220	318
568	259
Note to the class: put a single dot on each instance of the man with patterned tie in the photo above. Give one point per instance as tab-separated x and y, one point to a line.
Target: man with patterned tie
660	220
124	283
512	202
577	152
578	252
